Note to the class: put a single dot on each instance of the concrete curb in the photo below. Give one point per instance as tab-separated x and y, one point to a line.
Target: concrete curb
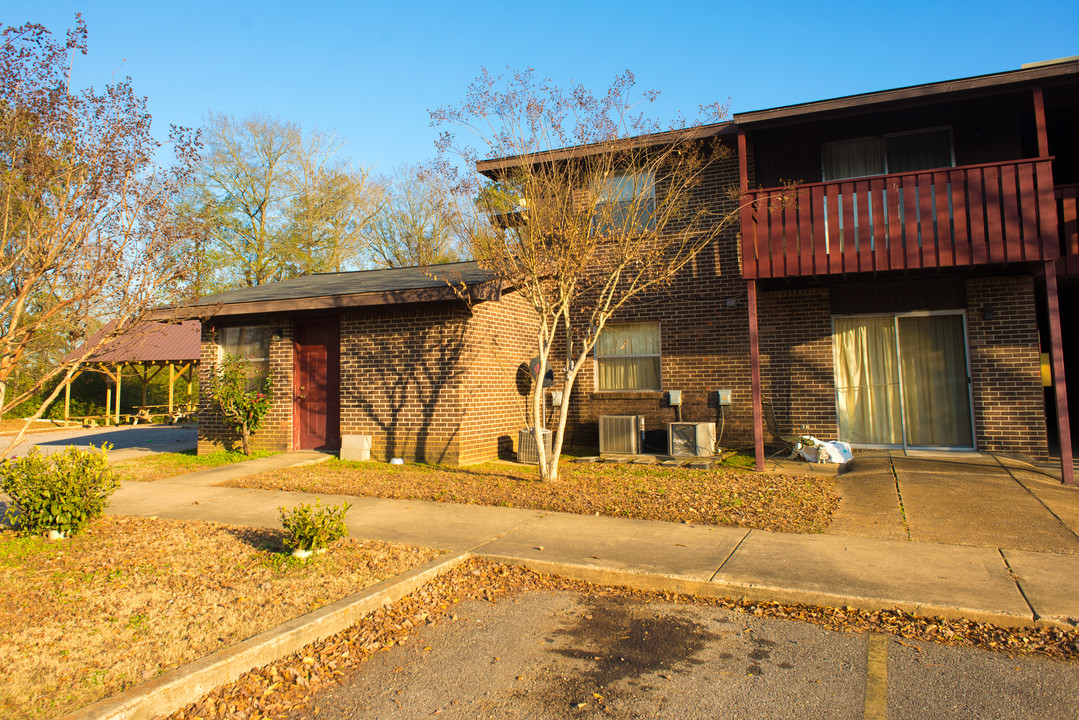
752	593
188	683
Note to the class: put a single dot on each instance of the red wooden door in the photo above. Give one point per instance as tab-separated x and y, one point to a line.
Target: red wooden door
316	385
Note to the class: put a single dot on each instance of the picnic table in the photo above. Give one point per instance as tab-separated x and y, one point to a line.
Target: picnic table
175	414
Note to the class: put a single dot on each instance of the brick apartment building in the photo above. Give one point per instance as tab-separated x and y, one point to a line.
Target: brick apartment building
905	293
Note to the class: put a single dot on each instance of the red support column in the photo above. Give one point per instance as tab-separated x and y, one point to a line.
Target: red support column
1039	121
1060	389
755	374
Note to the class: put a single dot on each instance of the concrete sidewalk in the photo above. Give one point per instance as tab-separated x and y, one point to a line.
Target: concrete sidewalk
1001	585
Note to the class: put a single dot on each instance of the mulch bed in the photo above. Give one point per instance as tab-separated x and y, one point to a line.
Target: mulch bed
131	598
720	496
283	688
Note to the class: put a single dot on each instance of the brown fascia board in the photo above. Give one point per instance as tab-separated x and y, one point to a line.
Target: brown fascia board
481	292
492	166
911	93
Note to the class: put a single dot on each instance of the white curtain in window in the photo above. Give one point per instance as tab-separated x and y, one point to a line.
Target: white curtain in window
627	357
867	381
934	365
853	158
251	343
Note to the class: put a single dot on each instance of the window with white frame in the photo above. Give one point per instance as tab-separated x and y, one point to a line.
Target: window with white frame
251	342
625	203
628	358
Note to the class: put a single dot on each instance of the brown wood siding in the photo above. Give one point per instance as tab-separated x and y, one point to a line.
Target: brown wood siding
984	130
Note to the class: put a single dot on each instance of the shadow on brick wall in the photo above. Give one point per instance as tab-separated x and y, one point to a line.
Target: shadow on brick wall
407	392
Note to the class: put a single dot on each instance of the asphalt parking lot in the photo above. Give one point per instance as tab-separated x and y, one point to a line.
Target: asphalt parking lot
556	655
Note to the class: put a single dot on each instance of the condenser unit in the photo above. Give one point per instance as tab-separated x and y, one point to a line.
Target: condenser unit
527	452
621	434
689	439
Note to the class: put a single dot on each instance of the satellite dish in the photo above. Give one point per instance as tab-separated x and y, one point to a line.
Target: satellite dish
534	368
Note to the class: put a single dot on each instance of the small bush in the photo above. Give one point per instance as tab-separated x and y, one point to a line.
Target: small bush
61	492
313	527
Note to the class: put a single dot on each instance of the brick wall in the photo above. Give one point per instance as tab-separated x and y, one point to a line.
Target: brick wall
276	431
501	339
401	374
704	339
797	362
1009	402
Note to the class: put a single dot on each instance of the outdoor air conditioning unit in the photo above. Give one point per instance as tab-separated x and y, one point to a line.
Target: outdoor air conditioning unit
621	434
688	439
527	452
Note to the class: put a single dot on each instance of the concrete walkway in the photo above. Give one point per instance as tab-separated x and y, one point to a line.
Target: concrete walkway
957	499
1002	584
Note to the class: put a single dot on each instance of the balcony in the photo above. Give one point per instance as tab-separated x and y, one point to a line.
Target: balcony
973	215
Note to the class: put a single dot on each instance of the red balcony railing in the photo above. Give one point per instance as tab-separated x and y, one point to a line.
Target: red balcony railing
972	215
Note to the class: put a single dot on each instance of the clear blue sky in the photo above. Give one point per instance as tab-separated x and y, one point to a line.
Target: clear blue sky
371	70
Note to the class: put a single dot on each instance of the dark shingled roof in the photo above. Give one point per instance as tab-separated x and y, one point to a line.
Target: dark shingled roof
147	342
1034	73
347	289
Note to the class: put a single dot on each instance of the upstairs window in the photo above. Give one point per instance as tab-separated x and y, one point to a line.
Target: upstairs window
627	357
892	153
625	203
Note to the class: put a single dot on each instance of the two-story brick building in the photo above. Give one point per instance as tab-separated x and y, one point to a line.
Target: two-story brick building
895	280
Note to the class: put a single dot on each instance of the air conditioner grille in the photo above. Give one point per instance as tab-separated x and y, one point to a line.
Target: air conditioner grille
620	434
691	439
527	452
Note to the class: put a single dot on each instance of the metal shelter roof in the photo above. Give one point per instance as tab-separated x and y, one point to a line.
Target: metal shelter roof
147	342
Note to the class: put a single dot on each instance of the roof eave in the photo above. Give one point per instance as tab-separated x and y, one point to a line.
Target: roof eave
478	292
492	166
911	93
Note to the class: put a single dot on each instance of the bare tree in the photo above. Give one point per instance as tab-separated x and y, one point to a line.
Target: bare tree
421	222
273	201
330	215
595	207
85	210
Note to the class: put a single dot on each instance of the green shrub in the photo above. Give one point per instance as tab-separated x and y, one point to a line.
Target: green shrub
242	401
61	492
313	527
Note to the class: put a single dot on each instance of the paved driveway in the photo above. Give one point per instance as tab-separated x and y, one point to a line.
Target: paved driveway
560	655
968	499
127	442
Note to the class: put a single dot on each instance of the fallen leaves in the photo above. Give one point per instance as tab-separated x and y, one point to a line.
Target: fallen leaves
720	496
134	597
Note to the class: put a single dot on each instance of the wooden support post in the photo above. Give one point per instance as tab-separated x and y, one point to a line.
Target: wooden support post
108	402
67	401
119	377
144	377
1060	388
1039	122
755	374
172	379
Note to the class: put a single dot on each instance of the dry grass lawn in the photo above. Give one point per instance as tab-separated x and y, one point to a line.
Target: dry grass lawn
721	496
165	465
130	598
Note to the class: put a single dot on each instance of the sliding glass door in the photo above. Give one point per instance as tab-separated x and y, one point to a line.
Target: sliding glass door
903	380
